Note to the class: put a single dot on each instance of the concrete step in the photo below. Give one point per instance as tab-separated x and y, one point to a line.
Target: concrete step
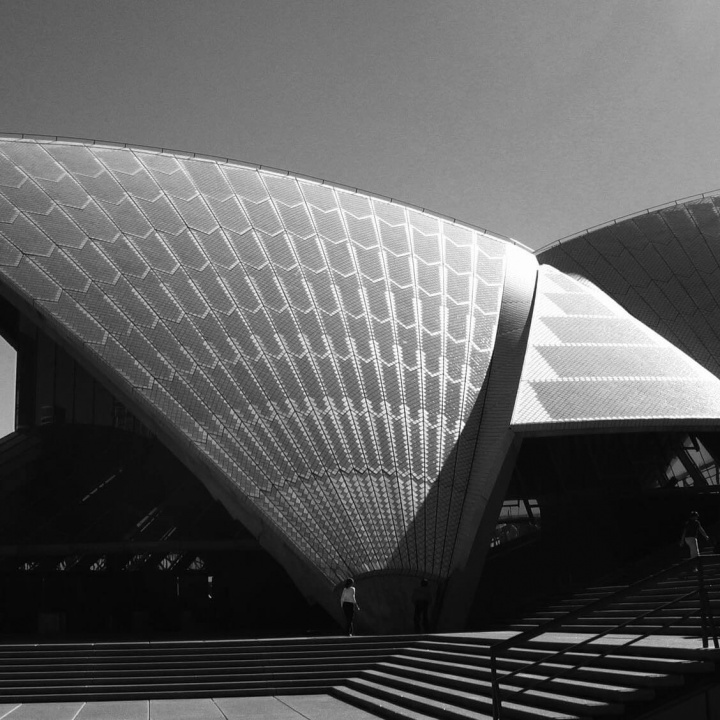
629	608
702	660
141	670
459	647
664	595
476	694
642	602
648	627
644	665
112	691
561	640
101	653
393	711
622	617
151	684
466	692
458	676
174	669
675	589
600	590
446	655
188	661
475	707
155	677
612	676
661	619
199	646
103	693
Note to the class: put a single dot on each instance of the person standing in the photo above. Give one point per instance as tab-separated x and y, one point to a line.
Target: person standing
691	530
348	602
422	597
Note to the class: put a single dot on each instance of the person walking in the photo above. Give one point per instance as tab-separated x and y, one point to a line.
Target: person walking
691	530
348	602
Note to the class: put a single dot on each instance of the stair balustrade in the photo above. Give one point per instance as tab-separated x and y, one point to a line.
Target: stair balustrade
708	625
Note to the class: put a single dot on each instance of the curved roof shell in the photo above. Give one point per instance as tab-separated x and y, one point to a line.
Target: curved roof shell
318	351
662	266
590	364
321	357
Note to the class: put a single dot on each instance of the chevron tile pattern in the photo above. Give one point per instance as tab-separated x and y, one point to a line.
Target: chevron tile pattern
321	349
590	363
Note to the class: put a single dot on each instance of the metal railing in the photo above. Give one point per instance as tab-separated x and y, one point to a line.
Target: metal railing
708	628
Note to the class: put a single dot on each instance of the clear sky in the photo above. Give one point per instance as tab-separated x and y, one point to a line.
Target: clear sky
532	118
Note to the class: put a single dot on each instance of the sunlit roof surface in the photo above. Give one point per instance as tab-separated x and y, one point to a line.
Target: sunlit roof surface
321	349
663	267
590	364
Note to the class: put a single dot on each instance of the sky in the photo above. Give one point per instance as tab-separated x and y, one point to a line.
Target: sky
533	119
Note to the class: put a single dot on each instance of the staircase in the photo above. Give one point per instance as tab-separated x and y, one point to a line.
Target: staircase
184	669
610	651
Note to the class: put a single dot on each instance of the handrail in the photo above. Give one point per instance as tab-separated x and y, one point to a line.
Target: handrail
596	636
595	605
707	620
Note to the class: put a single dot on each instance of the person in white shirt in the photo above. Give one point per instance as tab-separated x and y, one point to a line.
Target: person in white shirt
349	605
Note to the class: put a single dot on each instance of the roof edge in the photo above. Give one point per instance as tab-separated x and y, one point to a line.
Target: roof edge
623	218
255	166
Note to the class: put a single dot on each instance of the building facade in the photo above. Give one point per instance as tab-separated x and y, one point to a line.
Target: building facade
353	378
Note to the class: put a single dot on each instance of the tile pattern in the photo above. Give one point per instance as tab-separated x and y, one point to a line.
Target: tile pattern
663	267
590	363
319	348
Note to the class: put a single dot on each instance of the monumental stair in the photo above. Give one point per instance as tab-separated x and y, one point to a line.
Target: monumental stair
621	651
451	677
52	672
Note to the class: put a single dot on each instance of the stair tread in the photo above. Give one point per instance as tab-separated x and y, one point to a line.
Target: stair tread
637	677
103	694
391	709
179	664
147	678
463	712
534	698
695	657
572	685
542	648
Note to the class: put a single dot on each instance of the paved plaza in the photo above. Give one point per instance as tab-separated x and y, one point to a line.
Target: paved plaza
286	707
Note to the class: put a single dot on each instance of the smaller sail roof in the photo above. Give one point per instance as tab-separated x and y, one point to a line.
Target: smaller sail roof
662	266
589	363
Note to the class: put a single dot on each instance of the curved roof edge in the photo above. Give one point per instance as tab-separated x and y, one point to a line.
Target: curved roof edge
623	218
191	321
266	168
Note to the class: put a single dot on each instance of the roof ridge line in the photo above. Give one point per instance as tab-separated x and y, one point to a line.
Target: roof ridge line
254	166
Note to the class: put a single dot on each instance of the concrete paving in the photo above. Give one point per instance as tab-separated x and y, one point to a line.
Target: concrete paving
285	707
